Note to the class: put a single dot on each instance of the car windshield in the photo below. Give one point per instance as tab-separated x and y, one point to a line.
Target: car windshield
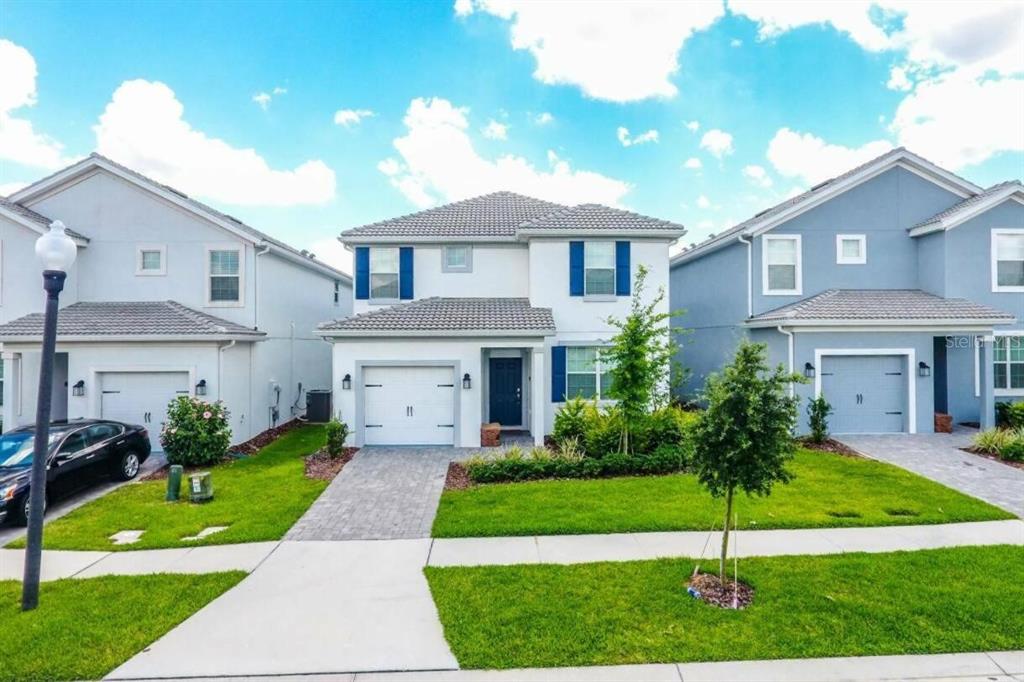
16	448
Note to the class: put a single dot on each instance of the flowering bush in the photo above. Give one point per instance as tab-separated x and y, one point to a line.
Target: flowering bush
196	433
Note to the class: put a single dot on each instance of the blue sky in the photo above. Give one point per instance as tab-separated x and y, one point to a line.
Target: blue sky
307	118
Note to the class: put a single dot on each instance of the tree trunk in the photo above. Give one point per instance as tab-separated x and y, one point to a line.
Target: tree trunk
725	535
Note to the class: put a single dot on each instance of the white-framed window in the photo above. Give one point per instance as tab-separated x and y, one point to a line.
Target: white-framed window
781	265
599	268
851	249
224	276
151	260
1008	260
588	374
337	292
457	258
1008	364
384	273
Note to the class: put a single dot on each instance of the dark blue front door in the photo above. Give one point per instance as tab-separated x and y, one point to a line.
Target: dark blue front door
506	391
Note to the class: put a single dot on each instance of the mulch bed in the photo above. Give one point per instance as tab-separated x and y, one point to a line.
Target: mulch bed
830	445
324	467
458	477
994	458
727	595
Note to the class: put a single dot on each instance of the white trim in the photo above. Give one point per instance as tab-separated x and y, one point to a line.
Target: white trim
862	239
750	274
799	279
998	232
159	248
790	343
1006	392
231	246
911	374
886	324
387	333
977	367
962	215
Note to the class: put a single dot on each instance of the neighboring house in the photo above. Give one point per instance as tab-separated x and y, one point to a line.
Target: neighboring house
167	297
485	310
897	288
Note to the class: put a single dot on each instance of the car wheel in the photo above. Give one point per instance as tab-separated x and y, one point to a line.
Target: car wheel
128	466
22	510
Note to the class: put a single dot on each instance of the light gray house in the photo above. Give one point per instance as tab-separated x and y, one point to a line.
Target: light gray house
897	288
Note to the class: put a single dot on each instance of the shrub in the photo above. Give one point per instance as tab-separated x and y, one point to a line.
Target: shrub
1013	450
337	433
991	441
1010	415
514	465
196	433
818	410
604	432
571	421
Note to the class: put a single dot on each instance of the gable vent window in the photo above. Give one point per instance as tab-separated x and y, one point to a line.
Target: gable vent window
225	276
383	274
599	268
151	260
781	265
1008	260
457	259
851	249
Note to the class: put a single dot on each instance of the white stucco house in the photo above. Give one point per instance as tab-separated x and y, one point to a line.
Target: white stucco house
484	310
167	297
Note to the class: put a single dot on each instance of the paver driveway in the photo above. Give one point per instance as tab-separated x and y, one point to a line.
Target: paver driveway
938	456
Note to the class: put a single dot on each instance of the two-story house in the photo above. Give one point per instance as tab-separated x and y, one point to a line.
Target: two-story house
167	297
896	289
485	310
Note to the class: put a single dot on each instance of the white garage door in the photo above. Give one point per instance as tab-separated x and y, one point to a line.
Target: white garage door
141	398
868	393
408	406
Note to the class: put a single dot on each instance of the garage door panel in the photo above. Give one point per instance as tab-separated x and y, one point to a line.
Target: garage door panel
141	398
868	393
408	405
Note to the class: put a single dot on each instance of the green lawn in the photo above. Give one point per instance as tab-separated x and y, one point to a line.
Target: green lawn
933	601
83	629
829	490
259	498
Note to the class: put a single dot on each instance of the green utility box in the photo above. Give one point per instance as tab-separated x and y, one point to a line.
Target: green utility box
174	483
200	487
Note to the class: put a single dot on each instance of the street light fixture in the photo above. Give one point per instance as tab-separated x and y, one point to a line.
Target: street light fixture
56	252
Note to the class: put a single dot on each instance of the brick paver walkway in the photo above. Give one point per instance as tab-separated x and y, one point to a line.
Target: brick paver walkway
382	494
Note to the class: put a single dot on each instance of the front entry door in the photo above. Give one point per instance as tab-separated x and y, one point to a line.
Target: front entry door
506	391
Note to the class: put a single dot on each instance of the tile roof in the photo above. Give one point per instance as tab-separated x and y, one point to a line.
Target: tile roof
119	319
436	315
970	201
596	217
37	218
881	304
498	214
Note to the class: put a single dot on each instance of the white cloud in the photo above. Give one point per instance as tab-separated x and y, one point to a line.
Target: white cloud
262	99
693	163
278	90
757	175
389	166
717	142
898	79
9	188
811	159
495	131
643	138
330	251
543	118
703	202
439	163
616	51
850	17
143	127
735	42
351	117
693	126
19	141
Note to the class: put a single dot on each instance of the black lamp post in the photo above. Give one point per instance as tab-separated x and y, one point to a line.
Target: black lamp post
56	252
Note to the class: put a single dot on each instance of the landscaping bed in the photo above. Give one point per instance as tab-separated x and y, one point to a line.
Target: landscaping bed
924	602
83	629
324	466
828	490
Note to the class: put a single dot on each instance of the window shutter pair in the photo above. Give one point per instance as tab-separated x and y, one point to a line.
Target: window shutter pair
577	274
405	273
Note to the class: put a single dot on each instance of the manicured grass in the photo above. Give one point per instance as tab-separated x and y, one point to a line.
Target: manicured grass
829	490
258	498
934	601
83	629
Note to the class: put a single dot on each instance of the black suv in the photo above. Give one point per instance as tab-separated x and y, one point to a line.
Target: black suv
78	449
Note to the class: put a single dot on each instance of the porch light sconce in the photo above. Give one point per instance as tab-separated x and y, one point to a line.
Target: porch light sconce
346	382
923	370
808	370
466	383
79	388
201	387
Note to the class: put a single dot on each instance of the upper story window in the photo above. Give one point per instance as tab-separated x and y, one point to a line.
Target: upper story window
781	265
457	259
587	375
1008	370
383	273
337	292
151	259
599	268
1008	260
224	270
851	249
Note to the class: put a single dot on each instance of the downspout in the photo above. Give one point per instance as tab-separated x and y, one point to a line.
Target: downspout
750	274
789	336
220	368
256	285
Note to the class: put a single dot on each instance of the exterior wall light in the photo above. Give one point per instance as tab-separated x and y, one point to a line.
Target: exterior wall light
79	388
346	382
808	370
466	382
201	387
923	370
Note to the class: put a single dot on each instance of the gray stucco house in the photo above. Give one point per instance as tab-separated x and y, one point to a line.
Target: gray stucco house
897	288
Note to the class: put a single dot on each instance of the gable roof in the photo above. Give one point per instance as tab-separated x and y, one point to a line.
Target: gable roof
138	320
969	207
596	219
880	306
179	198
448	316
824	191
32	220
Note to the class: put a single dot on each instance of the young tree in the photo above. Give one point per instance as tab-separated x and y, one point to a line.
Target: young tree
641	356
745	436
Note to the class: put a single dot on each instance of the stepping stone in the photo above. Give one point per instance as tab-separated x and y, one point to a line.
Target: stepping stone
206	532
126	537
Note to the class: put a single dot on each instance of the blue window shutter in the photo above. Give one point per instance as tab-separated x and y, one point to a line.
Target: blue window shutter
405	287
362	273
558	374
575	268
622	269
